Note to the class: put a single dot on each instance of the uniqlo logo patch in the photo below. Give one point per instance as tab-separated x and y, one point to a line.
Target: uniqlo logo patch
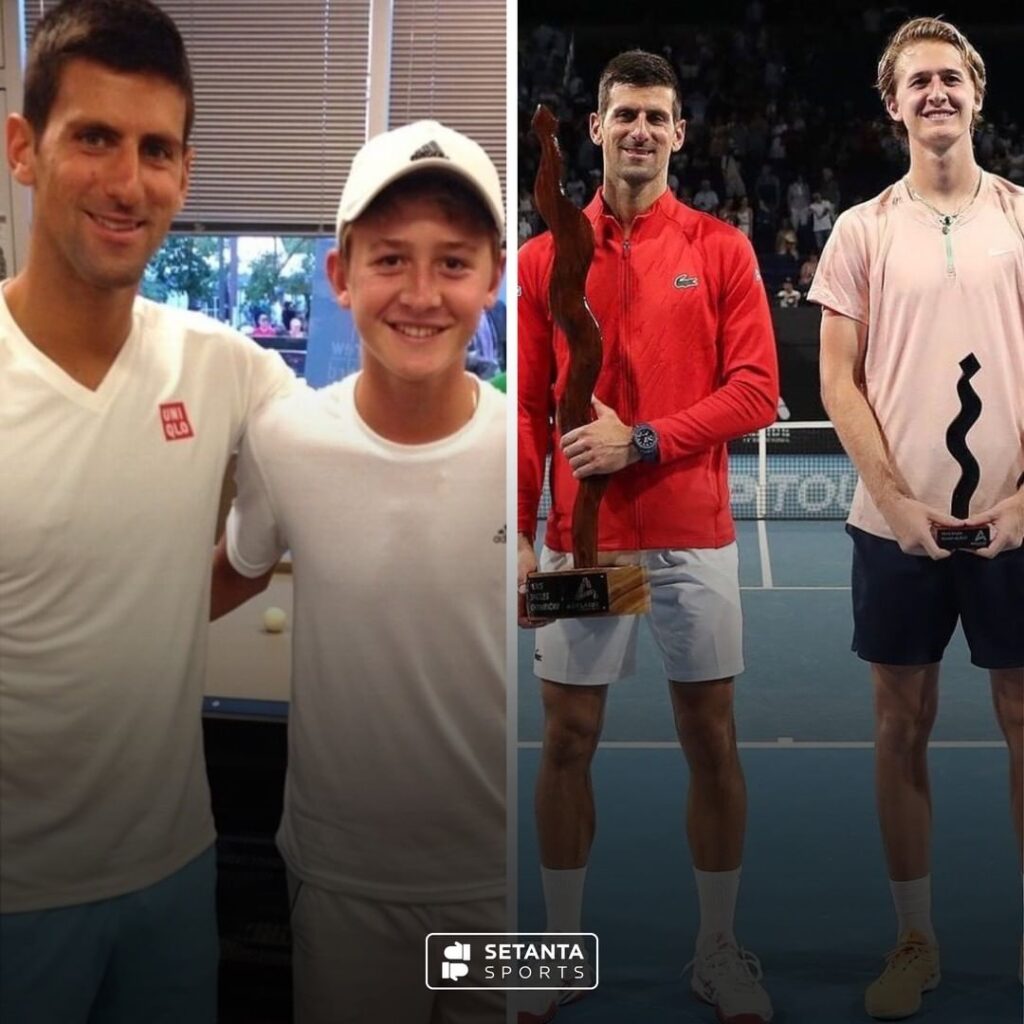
175	421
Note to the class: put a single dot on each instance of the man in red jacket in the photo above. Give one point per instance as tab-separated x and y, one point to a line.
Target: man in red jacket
689	363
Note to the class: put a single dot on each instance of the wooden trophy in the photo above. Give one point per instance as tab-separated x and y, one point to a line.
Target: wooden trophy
587	589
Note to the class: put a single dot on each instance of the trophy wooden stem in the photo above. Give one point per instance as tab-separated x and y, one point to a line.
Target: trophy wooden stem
585	589
574	249
584	520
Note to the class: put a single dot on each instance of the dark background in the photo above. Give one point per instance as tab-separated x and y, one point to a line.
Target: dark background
803	68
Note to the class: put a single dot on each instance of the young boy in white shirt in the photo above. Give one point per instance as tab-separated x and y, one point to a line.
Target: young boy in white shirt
388	488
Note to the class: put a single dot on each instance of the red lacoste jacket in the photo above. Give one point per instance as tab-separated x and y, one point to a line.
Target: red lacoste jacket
688	348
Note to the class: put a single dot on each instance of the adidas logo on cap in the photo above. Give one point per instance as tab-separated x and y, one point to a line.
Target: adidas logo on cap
431	149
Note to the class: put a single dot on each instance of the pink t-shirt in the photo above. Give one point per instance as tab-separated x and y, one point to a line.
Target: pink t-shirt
929	300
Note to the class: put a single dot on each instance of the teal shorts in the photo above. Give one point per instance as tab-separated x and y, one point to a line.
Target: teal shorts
146	957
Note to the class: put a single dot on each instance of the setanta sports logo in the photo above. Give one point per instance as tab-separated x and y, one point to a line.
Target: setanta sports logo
512	960
174	418
455	964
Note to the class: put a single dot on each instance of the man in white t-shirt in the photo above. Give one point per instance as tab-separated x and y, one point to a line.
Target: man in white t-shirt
388	488
823	215
117	419
922	363
706	198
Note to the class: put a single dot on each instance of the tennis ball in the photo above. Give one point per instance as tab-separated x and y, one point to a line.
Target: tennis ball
274	620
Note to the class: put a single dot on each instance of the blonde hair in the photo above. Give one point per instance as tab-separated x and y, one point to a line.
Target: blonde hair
929	30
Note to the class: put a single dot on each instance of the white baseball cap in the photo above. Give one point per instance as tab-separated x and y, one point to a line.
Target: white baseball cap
420	146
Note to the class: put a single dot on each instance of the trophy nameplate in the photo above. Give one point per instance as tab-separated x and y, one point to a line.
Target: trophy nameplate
952	538
588	589
577	593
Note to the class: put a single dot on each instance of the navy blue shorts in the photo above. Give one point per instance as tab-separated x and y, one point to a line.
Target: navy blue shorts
146	956
905	607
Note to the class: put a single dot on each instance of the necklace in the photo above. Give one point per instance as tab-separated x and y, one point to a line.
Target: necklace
946	220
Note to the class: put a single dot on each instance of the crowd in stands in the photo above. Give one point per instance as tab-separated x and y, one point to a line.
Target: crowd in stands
774	144
289	324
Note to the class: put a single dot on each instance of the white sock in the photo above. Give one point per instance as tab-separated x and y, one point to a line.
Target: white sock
913	903
716	897
563	897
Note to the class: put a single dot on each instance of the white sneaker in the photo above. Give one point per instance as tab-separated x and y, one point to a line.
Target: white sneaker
728	978
539	1006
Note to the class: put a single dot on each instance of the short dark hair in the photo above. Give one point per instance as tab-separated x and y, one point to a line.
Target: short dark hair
642	70
130	36
458	201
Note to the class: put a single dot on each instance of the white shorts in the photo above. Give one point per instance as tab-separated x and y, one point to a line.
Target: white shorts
695	618
357	960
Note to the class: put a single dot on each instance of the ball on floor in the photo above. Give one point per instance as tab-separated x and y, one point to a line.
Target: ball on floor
274	620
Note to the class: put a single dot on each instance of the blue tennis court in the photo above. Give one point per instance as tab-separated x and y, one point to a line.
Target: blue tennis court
814	903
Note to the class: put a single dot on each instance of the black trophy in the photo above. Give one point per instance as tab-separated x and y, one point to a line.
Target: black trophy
953	537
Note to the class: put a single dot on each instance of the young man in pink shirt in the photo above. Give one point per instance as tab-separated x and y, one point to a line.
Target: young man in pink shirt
923	332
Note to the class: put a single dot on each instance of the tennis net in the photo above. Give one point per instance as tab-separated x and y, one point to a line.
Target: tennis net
791	471
786	471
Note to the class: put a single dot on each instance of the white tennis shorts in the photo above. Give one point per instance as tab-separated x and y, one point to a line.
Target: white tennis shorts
695	618
357	960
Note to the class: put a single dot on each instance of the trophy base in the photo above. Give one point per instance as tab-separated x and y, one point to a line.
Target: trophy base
954	538
580	593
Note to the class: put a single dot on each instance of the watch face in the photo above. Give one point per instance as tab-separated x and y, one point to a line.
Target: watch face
645	439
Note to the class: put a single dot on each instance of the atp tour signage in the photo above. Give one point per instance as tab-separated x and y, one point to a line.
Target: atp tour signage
792	490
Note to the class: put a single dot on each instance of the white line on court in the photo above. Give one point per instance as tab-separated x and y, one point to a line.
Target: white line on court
766	562
786	743
770	587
